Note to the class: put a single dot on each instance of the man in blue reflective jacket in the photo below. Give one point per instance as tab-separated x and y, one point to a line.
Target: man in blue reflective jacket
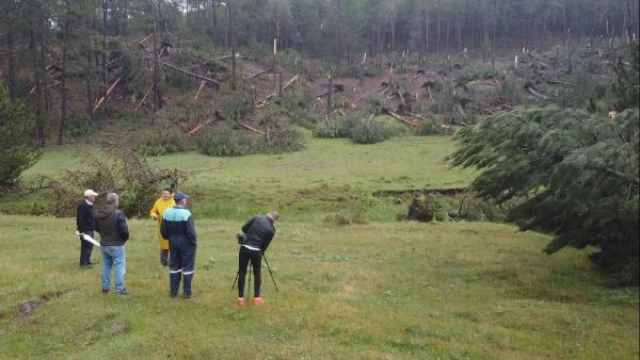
178	227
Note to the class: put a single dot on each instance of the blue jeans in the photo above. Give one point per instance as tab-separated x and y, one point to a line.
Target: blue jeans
113	256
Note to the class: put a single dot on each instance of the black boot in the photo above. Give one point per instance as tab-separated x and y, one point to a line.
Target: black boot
164	257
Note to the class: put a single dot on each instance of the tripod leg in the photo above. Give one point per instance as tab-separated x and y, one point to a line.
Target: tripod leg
270	273
235	281
248	293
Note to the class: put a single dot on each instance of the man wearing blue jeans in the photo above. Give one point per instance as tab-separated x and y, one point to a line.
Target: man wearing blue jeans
111	224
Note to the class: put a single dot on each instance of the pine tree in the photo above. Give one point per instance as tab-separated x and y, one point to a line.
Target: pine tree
18	150
577	173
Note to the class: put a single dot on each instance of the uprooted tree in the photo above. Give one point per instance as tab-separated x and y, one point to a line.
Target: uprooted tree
18	150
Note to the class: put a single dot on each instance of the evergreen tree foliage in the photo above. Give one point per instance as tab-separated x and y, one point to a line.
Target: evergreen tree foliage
627	87
577	171
18	150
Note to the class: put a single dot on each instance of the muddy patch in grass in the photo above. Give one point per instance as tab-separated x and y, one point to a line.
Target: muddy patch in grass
27	307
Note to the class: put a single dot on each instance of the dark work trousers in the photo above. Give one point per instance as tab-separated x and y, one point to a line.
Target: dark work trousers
246	255
85	250
181	265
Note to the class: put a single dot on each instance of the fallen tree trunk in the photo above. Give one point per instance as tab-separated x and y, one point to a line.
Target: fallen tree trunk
266	99
143	99
259	73
558	82
199	126
531	91
109	90
201	86
251	128
369	94
190	73
403	120
144	39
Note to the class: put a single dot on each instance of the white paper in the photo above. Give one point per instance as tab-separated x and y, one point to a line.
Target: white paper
88	238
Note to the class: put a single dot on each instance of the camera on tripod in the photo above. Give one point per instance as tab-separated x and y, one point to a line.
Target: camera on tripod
241	238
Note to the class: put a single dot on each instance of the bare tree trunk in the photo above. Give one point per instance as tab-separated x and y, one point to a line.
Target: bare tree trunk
105	75
570	50
45	79
126	18
63	89
421	37
495	29
38	72
625	20
233	47
438	30
214	14
426	36
89	73
12	69
379	41
446	36
393	35
157	99
330	90
226	27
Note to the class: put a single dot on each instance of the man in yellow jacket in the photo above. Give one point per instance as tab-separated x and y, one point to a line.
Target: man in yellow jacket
166	201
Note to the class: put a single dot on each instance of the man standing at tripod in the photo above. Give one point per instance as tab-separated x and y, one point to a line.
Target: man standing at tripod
258	233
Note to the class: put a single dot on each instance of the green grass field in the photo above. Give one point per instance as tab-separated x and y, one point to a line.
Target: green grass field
377	291
329	176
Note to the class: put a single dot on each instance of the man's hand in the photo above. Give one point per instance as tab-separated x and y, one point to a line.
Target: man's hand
155	216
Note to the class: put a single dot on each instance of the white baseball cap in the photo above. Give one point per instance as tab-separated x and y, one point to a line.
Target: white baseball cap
90	192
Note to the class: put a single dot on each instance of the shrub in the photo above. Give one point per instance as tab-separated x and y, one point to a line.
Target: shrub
429	207
163	141
18	149
226	142
284	140
431	127
369	131
122	171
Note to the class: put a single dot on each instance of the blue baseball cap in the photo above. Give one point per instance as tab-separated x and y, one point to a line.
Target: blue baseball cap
179	195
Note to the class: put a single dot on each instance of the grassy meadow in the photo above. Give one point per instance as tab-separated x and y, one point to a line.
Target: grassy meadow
376	291
328	177
381	289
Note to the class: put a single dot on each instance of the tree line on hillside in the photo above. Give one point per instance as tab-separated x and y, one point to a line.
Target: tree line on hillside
47	44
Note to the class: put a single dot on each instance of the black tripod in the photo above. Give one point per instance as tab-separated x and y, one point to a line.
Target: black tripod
250	263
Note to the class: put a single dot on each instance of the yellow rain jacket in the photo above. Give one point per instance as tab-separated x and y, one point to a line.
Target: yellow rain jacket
158	209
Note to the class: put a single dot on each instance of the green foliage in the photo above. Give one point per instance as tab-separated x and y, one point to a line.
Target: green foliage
18	150
578	172
431	127
429	207
337	127
123	172
284	140
369	131
229	142
627	87
353	126
161	141
226	142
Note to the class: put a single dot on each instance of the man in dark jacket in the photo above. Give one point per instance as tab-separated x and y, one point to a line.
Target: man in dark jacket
114	233
258	233
177	226
85	225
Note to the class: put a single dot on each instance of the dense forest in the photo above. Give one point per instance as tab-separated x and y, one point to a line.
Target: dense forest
59	42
